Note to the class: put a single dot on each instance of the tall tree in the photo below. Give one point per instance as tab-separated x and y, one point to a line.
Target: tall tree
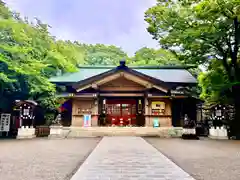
101	54
204	30
214	84
29	55
149	56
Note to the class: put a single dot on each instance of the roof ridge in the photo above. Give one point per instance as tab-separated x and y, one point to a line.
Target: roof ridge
138	67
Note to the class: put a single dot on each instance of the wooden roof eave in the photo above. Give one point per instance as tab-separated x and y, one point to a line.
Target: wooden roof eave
87	83
128	76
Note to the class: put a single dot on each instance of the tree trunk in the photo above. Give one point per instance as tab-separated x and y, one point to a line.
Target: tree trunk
236	122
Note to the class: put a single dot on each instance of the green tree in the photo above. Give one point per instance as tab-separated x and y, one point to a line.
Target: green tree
203	30
214	84
101	54
5	13
29	55
149	56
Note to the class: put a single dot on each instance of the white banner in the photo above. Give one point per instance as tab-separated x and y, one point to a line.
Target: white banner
5	122
87	120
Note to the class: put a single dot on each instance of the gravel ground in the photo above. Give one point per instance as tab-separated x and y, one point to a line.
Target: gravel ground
43	159
204	159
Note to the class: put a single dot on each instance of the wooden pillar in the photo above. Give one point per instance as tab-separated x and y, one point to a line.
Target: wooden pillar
169	112
95	113
146	108
73	111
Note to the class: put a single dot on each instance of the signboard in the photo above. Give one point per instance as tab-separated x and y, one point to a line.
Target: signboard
158	105
177	92
87	120
218	113
5	122
155	122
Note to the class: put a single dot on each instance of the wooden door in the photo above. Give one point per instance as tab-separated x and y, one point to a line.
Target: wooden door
121	112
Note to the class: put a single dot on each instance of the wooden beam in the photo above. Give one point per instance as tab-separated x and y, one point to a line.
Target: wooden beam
128	76
160	88
94	86
157	96
136	79
122	94
147	84
100	82
84	87
179	97
107	79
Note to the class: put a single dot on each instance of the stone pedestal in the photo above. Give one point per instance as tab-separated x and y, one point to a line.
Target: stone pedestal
26	132
189	131
56	131
218	133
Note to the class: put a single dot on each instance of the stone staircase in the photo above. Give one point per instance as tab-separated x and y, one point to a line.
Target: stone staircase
74	132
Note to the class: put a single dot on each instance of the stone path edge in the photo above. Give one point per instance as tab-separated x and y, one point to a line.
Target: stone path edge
170	158
71	174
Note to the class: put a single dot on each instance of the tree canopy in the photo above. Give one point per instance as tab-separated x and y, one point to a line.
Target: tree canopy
200	32
29	55
149	56
203	32
100	54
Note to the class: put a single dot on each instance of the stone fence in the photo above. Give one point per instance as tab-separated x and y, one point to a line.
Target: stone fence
26	132
218	133
71	132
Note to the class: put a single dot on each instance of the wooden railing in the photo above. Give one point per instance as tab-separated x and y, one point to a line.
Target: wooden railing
42	131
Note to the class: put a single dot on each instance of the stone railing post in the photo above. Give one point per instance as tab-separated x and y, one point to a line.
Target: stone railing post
218	133
26	133
56	131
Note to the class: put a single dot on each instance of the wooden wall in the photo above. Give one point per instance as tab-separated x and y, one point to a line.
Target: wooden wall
91	106
165	120
81	107
121	84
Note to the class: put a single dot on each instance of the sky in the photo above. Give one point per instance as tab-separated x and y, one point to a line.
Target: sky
110	22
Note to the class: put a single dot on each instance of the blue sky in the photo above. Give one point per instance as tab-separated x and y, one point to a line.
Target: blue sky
117	22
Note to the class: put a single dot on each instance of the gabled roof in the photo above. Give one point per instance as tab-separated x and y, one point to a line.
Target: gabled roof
171	74
120	71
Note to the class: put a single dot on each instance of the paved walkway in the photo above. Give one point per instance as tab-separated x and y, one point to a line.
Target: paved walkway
128	158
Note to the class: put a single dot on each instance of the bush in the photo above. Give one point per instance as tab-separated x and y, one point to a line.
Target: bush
49	118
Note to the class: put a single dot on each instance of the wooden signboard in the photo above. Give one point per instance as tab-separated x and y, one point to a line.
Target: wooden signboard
158	107
5	122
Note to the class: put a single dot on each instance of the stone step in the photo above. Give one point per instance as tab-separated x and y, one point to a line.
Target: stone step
124	131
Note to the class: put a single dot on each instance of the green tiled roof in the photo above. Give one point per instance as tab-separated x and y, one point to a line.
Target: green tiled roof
173	74
83	73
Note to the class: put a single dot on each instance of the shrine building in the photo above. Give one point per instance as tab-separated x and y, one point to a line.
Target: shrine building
127	96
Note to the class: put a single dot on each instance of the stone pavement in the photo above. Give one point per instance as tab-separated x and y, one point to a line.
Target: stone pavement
128	158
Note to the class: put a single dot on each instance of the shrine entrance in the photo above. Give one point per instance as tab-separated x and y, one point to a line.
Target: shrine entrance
121	112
